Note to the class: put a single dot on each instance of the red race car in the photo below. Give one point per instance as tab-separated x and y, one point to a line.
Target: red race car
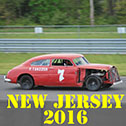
64	70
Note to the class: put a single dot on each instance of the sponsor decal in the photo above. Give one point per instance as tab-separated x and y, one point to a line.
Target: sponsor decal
38	69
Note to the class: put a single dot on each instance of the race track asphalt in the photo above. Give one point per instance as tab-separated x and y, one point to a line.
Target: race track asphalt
35	117
8	88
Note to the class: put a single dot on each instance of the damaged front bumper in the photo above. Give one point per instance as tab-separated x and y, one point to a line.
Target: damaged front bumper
118	82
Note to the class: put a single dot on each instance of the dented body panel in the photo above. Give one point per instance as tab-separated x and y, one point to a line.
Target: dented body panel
56	71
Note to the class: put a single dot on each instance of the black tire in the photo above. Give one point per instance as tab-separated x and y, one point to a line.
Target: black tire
93	83
106	85
26	82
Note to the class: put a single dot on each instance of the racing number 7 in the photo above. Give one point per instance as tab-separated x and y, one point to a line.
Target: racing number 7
61	73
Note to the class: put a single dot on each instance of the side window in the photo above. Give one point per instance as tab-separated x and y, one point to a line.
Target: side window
45	62
61	62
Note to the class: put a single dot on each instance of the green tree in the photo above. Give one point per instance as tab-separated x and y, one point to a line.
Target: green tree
63	12
43	10
10	10
105	13
120	10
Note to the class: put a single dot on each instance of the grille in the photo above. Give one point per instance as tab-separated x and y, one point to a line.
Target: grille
114	74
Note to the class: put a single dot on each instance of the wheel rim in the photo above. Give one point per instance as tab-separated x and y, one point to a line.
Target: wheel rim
92	84
26	83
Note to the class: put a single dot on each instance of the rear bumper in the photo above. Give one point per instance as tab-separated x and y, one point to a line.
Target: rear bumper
7	79
118	82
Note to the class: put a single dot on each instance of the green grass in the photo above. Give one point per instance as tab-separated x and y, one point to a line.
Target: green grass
61	35
82	29
67	29
10	60
57	33
16	30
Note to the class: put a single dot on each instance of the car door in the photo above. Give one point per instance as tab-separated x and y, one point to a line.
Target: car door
39	70
61	74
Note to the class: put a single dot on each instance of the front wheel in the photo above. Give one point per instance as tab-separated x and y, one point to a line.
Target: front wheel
93	83
26	82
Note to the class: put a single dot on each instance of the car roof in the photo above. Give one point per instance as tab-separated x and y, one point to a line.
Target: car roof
53	56
60	55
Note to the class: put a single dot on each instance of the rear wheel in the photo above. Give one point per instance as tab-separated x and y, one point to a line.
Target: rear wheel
26	82
93	83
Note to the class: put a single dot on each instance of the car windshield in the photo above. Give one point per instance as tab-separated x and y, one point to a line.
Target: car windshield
80	61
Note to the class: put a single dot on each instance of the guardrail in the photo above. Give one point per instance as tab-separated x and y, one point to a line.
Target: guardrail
85	46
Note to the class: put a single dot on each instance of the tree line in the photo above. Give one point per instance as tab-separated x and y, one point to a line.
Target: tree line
62	12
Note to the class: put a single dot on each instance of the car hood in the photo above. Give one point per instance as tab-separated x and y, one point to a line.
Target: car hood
96	66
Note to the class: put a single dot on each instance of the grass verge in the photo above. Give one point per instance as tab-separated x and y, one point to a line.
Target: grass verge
10	60
63	35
